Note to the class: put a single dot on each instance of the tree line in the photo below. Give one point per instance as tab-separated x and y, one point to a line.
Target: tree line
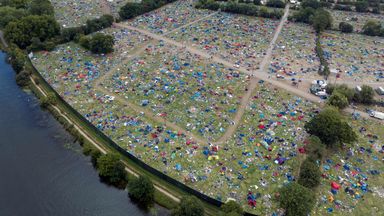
240	8
329	131
312	12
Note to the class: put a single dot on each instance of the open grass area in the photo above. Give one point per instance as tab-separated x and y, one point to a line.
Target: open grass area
202	97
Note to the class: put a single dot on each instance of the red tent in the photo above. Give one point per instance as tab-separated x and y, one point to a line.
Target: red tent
335	186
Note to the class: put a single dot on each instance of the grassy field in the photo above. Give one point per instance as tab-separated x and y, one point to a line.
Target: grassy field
202	97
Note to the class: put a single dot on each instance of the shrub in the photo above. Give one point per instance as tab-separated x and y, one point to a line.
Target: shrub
372	28
22	78
345	27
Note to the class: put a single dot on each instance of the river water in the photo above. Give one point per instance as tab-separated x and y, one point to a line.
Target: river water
42	170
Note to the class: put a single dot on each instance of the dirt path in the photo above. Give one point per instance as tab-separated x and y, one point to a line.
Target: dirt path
3	41
263	75
131	56
246	97
101	148
153	116
191	23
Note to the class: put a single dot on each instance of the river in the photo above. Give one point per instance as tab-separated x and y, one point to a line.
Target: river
42	169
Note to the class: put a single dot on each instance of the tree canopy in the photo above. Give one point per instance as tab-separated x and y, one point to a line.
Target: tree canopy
111	169
322	20
332	129
373	28
23	30
361	6
233	208
142	190
343	89
98	43
315	148
345	27
41	7
189	206
338	100
9	14
365	96
296	199
309	173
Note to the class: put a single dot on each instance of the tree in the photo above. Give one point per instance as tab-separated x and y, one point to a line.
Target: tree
41	7
15	3
233	208
311	4
343	89
97	24
345	27
338	100
23	30
9	14
361	6
85	42
296	199
372	28
304	15
111	169
331	128
276	3
69	34
365	96
95	154
142	190
321	20
315	148
101	43
16	58
310	174
130	10
189	206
